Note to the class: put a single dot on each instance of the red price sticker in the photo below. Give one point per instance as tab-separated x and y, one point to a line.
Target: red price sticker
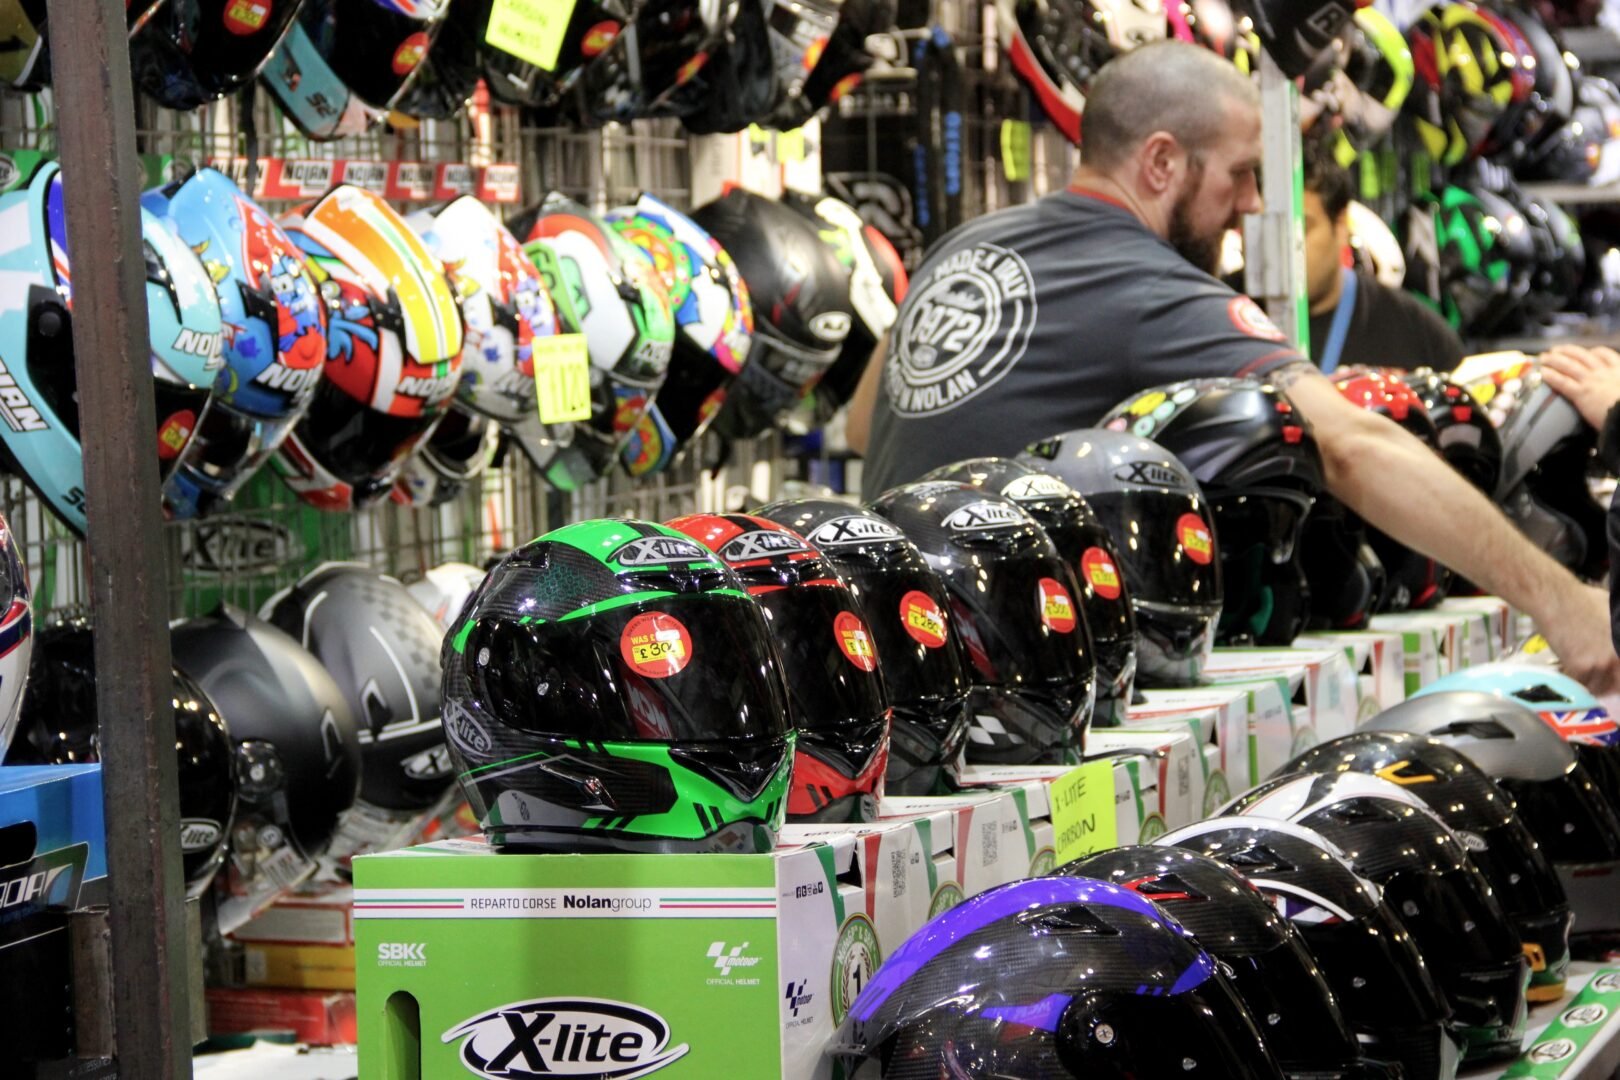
923	619
1057	606
244	17
854	641
1195	538
1099	569
174	433
655	645
410	53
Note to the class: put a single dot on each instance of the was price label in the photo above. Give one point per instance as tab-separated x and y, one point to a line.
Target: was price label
562	378
531	30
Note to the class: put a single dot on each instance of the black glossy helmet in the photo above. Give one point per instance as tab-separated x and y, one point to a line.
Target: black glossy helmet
1012	600
802	312
1515	245
1345	575
382	648
1378	976
1089	551
651	58
1482	815
297	753
609	687
836	695
1264	958
1164	530
58	726
925	667
1056	978
1555	283
190	52
1468	440
1552	95
1256	460
1391	837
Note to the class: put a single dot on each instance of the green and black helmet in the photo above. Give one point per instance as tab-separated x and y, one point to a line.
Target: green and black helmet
611	687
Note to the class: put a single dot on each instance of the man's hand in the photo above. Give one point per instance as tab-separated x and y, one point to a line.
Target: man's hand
1589	378
1580	638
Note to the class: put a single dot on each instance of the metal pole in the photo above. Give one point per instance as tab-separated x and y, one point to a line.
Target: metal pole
100	176
1274	241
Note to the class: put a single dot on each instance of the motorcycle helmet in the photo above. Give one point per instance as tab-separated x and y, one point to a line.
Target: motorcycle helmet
759	69
1452	258
1012	601
1378	977
606	289
447	77
461	447
1054	977
1482	815
611	687
1346	577
1552	94
1391	837
801	298
1255	459
443	590
191	52
1262	955
1554	792
836	696
1560	265
714	318
58	726
1378	65
657	51
1471	87
1374	246
1513	242
393	351
1214	25
274	351
25	59
842	64
924	664
1163	528
16	633
40	410
1574	152
345	63
1086	547
296	747
1294	34
1468	440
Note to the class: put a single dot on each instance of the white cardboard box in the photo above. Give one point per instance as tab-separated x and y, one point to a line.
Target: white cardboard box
1378	657
1432	641
1499	620
1179	761
990	842
1328	693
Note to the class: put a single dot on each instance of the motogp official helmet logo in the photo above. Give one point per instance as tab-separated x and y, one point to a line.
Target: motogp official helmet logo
565	1037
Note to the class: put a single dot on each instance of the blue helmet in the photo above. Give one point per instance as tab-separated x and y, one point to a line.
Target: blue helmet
1567	706
38	403
274	341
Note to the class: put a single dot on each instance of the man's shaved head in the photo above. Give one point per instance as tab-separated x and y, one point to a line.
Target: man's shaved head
1168	86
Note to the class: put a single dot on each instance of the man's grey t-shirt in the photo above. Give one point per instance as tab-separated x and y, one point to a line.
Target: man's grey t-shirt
1038	319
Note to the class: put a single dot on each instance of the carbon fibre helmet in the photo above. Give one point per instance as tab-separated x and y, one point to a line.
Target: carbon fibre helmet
607	289
836	698
1468	440
393	356
16	632
41	427
1087	548
1554	792
1378	977
1054	977
1294	33
59	726
462	446
276	344
714	322
801	298
1482	815
296	747
925	667
1391	837
1012	600
1262	955
1256	460
345	63
611	687
1163	529
188	53
1470	87
444	589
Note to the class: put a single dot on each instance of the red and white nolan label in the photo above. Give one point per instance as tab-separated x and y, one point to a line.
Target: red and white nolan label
1098	568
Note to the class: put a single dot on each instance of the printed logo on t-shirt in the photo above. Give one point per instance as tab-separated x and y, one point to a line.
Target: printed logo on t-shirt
1248	317
963	328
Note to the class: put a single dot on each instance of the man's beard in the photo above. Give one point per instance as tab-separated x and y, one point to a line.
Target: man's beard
1203	252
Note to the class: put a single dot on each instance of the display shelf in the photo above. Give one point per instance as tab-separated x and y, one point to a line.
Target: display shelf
1599	1058
1573	194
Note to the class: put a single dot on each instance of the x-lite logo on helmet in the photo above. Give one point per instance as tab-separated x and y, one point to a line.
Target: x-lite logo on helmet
855	529
1036	487
983	515
658	550
1151	474
761	544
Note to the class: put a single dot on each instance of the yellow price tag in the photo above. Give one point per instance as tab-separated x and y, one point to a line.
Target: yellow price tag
1016	159
562	378
1083	811
530	30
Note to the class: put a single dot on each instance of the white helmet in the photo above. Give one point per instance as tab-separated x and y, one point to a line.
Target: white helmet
444	589
1375	246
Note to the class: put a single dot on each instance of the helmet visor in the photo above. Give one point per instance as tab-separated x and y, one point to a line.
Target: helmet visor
907	612
1020	623
828	657
357	444
1167	543
1376	971
374	48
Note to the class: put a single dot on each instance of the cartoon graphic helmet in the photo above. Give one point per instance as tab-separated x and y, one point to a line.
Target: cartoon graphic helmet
191	52
275	346
393	351
1163	528
1054	977
1257	461
1378	976
1482	815
59	726
40	434
611	687
443	590
1468	440
16	633
1263	955
1086	547
1012	599
924	665
836	695
462	446
296	747
1391	837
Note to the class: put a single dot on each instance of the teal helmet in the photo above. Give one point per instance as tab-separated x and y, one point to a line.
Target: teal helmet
610	686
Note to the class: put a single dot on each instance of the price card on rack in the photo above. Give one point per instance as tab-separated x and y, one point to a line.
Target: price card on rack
562	378
531	30
1083	811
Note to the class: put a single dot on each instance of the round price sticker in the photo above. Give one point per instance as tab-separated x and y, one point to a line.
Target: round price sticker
923	619
1099	569
1195	538
655	645
854	641
410	53
244	17
1057	606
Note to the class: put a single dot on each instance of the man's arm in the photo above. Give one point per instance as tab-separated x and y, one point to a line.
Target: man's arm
1402	487
858	414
